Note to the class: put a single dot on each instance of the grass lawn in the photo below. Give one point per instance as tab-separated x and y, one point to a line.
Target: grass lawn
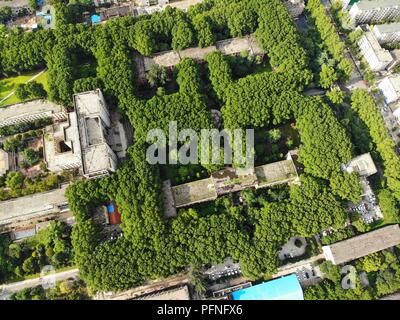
8	85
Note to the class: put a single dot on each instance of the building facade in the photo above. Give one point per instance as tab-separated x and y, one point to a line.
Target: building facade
372	11
390	88
387	33
377	58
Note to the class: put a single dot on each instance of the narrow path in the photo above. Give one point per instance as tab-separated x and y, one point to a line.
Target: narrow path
31	79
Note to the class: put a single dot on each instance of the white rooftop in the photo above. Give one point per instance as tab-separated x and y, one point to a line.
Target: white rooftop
93	121
364	165
382	54
62	149
388	27
32	206
21	110
376	4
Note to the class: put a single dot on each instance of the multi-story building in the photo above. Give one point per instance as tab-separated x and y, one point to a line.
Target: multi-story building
84	140
31	111
377	58
362	245
387	33
94	126
373	11
390	88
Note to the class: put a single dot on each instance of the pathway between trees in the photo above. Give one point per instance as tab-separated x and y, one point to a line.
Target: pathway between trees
31	79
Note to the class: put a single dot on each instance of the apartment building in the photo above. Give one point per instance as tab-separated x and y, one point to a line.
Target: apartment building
387	33
373	11
377	57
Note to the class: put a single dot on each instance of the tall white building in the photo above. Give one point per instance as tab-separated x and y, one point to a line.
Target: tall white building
94	126
377	58
84	140
390	88
387	33
372	11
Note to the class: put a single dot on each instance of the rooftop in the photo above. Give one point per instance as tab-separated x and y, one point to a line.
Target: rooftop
376	4
285	288
232	180
363	245
93	121
275	173
194	192
388	27
41	108
62	148
382	54
32	206
364	165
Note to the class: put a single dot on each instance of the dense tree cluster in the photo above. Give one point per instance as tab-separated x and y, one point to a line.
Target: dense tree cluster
383	275
363	103
332	41
152	247
187	107
24	51
50	246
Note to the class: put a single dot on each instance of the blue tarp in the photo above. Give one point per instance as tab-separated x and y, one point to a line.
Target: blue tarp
110	208
95	19
285	288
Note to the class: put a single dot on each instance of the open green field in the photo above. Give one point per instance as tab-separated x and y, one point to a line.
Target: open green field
8	85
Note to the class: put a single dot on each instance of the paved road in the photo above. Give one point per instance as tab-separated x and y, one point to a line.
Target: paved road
292	268
8	289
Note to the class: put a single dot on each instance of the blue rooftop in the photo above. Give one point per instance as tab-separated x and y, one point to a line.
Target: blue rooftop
285	288
95	19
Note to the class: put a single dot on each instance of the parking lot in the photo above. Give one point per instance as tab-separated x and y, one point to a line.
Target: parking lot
368	208
308	275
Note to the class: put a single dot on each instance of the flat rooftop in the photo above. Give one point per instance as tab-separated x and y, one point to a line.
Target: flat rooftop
275	173
62	147
364	165
93	118
388	27
376	4
233	180
395	81
42	108
88	103
285	288
194	192
382	54
32	206
363	245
